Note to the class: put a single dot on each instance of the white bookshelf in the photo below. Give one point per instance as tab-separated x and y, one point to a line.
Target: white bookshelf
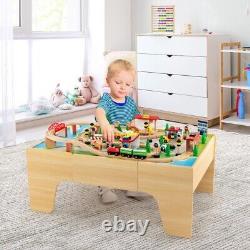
236	121
230	83
236	51
236	85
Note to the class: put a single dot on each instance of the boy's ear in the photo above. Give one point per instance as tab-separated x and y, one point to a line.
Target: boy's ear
107	81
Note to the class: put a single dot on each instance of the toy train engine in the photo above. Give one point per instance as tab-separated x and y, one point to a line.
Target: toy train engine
113	150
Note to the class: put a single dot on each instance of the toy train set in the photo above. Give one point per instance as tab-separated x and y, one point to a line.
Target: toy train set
144	142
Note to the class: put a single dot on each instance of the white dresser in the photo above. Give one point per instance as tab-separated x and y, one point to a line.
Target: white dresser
179	76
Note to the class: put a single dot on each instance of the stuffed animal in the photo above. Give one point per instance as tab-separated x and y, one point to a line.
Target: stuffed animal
72	96
41	106
87	91
57	98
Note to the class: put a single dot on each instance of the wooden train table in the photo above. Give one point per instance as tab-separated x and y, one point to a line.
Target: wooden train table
172	184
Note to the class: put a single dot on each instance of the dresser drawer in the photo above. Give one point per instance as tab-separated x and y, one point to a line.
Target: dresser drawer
180	65
186	85
175	45
189	105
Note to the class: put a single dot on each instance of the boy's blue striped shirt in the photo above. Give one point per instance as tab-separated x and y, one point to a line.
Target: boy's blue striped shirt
122	112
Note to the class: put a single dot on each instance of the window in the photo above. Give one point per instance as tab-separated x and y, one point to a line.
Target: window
42	63
16	13
21	72
56	15
63	64
49	47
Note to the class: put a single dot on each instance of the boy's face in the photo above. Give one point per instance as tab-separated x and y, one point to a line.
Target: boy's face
121	84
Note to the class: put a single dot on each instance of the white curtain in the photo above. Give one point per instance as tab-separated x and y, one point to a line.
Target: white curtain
7	112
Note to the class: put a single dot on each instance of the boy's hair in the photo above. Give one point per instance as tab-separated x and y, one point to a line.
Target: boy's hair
119	65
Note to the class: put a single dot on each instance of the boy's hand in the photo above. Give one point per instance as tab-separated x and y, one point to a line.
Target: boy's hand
108	133
131	124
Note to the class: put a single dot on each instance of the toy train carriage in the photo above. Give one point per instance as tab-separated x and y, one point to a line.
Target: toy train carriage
137	153
128	152
140	153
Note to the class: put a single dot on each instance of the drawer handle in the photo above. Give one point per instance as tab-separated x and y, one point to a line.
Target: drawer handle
169	75
169	55
169	36
170	93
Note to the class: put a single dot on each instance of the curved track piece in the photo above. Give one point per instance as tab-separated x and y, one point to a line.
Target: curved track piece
75	143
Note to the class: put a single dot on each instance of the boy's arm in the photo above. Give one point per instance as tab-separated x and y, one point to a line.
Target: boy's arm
107	129
101	117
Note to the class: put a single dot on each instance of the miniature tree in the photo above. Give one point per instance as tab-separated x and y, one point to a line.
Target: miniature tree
203	138
166	127
161	140
167	152
195	150
148	148
99	131
119	128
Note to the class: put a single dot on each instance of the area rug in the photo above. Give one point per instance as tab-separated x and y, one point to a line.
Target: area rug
220	220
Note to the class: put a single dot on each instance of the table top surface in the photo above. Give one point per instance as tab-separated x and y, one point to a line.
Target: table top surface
189	162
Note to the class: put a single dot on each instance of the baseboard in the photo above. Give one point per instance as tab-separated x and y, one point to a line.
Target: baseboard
30	121
175	117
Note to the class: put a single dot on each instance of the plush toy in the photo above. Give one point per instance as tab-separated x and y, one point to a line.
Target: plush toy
71	97
41	106
65	106
87	91
57	98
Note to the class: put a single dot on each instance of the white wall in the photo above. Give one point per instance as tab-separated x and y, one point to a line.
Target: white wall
115	23
118	25
95	43
220	16
109	23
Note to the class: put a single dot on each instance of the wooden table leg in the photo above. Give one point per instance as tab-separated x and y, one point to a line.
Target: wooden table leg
42	195
206	184
176	213
42	187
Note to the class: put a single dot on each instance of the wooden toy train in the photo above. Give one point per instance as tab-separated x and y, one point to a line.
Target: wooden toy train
148	143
